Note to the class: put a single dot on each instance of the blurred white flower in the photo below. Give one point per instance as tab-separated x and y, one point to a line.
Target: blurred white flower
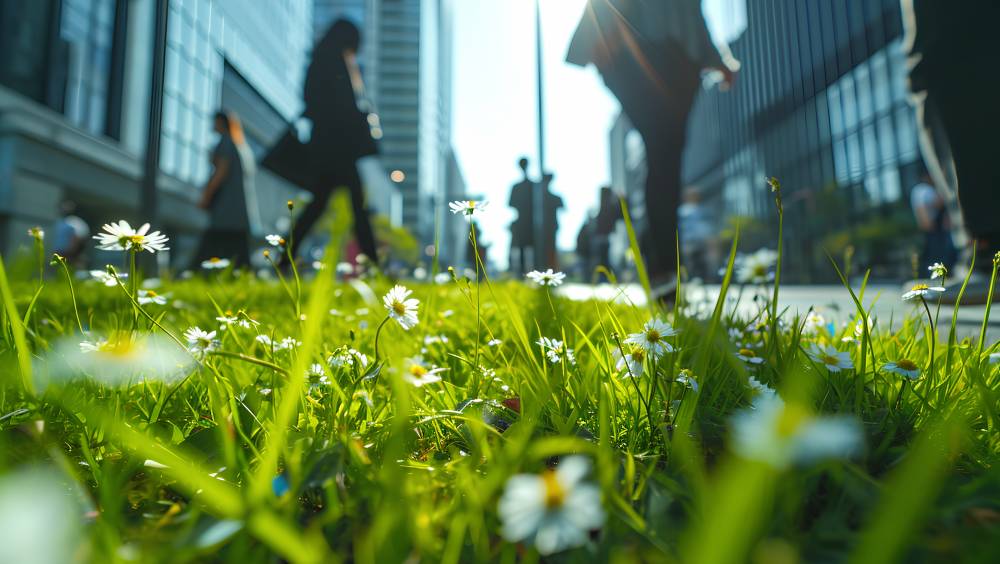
146	297
418	374
494	343
275	240
756	268
401	307
345	268
831	358
40	521
200	341
117	359
37	233
442	278
814	323
215	263
467	207
554	510
921	290
781	435
122	237
653	338
420	273
937	270
104	277
632	362
903	367
289	343
347	357
686	378
547	278
556	351
749	356
760	388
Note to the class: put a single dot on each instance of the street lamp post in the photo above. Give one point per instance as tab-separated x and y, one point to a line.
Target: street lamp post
538	194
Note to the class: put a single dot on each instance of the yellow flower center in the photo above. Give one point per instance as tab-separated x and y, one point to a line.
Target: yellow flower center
555	494
215	260
830	360
906	364
638	354
653	336
791	419
418	370
920	287
136	239
121	347
150	294
398	308
748	353
759	270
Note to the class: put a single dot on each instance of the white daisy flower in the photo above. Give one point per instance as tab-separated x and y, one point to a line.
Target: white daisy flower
547	278
937	270
494	343
756	268
442	278
146	297
749	356
653	338
814	323
903	367
760	388
200	341
556	351
831	358
401	307
555	510
120	358
122	237
215	263
921	290
632	362
418	374
782	435
347	357
265	340
104	277
275	240
289	343
467	207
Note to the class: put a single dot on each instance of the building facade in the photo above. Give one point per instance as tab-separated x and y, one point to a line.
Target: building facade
76	79
406	61
821	104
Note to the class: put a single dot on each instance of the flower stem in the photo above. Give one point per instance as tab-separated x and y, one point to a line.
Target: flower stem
72	292
378	332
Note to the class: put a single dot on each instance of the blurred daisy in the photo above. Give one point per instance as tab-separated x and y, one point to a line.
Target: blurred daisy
903	367
36	233
556	351
467	207
760	388
401	307
442	278
921	290
494	343
756	268
781	435
275	240
215	263
831	358
547	278
122	237
347	357
146	297
632	362
749	356
265	340
653	338
119	358
937	270
418	374
289	343
200	341
106	278
814	322
554	510
686	378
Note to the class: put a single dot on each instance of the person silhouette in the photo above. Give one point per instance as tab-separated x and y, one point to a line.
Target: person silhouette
225	195
522	234
604	225
551	204
340	133
651	55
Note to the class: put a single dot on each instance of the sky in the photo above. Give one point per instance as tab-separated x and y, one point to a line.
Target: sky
494	119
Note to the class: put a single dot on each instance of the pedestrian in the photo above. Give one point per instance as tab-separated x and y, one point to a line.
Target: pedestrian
522	234
225	194
959	117
651	56
551	204
604	225
932	219
340	133
586	261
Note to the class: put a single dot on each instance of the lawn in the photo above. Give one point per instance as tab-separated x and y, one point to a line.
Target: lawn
231	417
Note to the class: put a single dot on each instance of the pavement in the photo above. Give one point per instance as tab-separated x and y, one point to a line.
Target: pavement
833	302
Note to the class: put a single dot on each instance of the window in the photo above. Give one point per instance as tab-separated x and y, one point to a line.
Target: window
87	28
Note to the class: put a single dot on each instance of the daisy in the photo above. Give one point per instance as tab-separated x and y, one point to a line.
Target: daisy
146	297
556	351
200	341
554	510
760	388
467	207
275	240
264	340
547	278
347	357
686	378
782	435
215	263
831	358
921	290
120	358
494	343
37	233
653	338
632	362
756	268
419	375
289	343
749	356
122	237
814	322
937	270
401	307
903	367
106	278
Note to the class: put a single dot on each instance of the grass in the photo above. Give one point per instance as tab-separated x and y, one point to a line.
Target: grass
248	453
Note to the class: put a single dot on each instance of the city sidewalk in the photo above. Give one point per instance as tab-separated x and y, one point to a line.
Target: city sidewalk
833	302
